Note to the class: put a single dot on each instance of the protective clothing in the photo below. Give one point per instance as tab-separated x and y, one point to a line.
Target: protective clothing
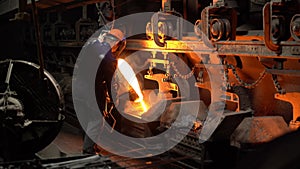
103	82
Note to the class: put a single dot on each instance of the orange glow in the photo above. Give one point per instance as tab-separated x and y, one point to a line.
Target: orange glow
144	106
149	44
129	75
140	105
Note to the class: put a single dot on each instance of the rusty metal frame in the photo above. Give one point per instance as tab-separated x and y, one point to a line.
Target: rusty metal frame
290	50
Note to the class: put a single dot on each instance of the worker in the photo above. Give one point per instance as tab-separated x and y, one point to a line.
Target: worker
108	47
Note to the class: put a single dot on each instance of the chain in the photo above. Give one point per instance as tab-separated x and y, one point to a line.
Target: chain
186	76
226	78
277	85
245	84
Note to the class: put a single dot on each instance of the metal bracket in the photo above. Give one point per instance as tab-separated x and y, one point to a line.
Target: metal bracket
164	86
234	98
293	98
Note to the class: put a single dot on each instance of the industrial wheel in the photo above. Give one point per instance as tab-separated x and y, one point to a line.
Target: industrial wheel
30	109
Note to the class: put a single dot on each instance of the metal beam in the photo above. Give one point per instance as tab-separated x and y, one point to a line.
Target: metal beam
72	4
240	48
38	39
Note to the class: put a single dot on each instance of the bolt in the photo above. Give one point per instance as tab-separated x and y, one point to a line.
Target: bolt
296	28
215	29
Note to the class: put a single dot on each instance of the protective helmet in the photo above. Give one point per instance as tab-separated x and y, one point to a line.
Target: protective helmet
116	33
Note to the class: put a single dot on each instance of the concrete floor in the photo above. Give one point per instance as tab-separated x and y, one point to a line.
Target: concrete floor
68	143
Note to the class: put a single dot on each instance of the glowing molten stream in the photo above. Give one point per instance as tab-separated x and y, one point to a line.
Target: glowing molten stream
129	75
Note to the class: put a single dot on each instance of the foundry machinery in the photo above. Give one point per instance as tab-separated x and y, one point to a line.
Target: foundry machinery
246	72
256	66
252	48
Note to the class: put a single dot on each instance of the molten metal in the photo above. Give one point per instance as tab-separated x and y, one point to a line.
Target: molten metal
144	105
129	75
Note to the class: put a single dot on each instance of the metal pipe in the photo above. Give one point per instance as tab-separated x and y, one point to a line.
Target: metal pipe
267	22
84	12
38	39
9	72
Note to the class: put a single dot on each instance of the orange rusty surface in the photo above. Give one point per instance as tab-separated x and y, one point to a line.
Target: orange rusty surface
256	130
293	98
